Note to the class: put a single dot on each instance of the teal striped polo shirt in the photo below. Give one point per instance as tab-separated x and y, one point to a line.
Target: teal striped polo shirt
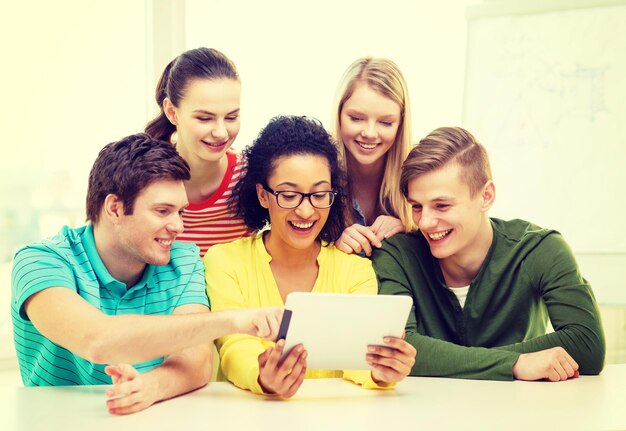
70	259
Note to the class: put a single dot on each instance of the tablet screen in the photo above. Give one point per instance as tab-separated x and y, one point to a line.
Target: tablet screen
335	329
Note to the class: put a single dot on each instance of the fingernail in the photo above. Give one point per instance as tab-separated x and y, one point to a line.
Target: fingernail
387	340
371	348
281	343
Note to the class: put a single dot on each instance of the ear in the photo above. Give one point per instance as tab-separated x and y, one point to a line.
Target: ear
170	111
488	195
262	195
113	209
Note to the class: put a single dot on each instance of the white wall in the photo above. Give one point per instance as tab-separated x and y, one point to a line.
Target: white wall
291	54
73	78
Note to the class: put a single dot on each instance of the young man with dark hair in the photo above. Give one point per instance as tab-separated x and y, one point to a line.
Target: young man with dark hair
483	288
121	290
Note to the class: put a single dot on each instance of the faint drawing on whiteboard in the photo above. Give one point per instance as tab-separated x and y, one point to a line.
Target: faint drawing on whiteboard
582	93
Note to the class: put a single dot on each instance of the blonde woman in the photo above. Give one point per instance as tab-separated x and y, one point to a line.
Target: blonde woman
372	128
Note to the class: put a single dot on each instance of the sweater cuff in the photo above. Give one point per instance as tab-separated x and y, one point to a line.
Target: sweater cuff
364	378
253	376
370	383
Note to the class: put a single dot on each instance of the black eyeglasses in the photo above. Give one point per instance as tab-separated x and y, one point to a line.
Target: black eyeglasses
289	199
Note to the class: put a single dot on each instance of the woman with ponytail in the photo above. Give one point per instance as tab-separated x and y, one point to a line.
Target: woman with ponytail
199	95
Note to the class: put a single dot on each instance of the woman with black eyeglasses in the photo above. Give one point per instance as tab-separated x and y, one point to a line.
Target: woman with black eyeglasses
293	187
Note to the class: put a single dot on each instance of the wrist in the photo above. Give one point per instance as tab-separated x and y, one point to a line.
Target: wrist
265	390
379	380
223	323
516	370
152	383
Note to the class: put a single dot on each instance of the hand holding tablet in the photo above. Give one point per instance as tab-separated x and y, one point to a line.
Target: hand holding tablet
282	374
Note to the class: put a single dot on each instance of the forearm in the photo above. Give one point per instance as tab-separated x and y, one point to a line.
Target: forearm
438	358
570	305
138	338
584	343
182	372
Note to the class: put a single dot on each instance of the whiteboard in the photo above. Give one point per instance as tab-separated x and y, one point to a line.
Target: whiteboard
545	93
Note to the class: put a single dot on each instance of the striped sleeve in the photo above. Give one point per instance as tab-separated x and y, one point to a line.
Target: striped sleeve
36	269
191	277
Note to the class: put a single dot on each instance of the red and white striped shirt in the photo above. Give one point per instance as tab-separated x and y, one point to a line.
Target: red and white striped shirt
212	221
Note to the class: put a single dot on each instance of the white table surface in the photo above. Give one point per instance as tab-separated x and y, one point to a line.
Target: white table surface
588	402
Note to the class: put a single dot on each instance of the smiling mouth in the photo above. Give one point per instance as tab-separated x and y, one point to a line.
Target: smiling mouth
215	145
165	242
366	146
301	227
436	236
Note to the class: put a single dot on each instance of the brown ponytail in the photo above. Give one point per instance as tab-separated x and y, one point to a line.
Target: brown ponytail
160	127
199	63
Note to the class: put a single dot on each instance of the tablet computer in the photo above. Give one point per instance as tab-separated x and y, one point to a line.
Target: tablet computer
335	329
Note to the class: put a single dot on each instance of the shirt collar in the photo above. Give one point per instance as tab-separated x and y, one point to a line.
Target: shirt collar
105	278
262	251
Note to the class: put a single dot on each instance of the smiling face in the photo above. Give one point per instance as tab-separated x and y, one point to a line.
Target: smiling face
146	235
207	118
454	223
296	228
369	124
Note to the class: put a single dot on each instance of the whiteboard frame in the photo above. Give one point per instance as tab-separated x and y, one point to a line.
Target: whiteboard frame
493	8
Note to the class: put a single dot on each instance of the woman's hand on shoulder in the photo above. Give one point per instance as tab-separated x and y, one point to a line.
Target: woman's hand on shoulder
386	226
393	362
356	238
282	378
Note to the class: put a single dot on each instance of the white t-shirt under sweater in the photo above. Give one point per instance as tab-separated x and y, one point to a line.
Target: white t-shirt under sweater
461	294
212	221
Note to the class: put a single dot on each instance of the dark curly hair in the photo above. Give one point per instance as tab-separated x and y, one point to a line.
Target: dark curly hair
288	136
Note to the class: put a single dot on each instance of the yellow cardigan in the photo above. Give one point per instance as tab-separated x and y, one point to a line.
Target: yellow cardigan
238	275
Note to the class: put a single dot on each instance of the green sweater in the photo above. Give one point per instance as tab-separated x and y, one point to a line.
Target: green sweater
529	275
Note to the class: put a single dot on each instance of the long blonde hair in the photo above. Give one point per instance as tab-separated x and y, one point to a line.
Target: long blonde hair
383	76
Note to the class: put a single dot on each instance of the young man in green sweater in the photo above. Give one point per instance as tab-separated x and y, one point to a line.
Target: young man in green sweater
483	288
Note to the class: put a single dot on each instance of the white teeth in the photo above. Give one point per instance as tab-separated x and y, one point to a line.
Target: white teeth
438	235
367	146
218	144
302	225
165	241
